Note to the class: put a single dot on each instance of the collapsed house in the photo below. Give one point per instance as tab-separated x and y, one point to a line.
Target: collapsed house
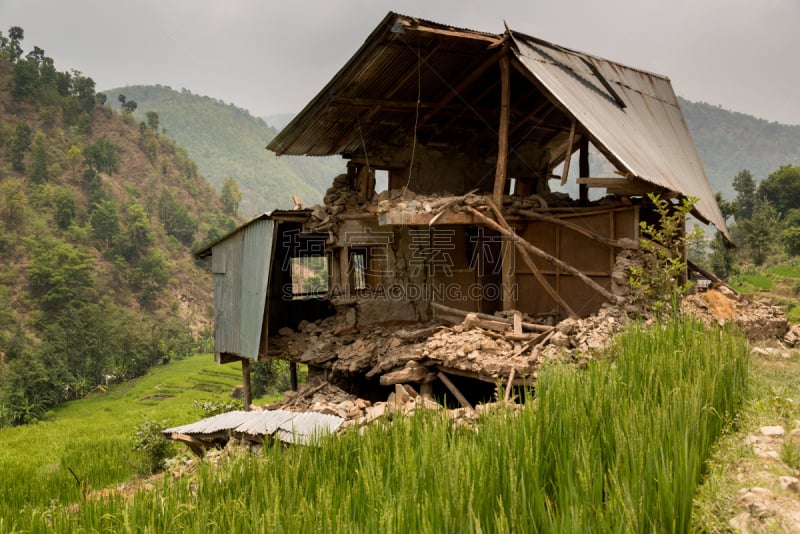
464	268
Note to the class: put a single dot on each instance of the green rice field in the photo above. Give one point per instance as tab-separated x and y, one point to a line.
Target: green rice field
617	447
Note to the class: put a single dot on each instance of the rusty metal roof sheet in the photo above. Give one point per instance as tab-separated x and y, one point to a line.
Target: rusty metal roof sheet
290	427
631	115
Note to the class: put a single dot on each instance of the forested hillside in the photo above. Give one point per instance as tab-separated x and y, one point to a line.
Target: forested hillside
227	141
729	142
98	214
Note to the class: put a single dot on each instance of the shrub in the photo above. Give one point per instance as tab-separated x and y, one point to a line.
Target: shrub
151	445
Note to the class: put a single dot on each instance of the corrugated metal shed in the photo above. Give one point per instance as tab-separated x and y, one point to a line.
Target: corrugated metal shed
290	427
240	265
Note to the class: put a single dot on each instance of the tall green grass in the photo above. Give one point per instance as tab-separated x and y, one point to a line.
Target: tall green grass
617	447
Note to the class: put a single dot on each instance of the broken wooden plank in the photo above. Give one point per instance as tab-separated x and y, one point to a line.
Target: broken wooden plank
197	446
454	390
403	375
462	313
518	381
507	396
419	218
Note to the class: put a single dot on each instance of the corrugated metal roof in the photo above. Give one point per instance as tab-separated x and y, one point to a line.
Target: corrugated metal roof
290	427
280	215
330	123
648	136
632	116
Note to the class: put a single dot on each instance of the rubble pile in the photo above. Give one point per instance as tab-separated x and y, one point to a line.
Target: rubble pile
759	320
318	395
341	199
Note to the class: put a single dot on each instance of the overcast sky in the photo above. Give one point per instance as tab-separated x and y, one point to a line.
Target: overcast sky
274	56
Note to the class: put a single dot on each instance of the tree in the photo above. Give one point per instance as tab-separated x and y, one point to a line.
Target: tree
761	231
745	201
175	218
13	48
24	81
103	155
721	258
20	144
149	276
74	157
59	273
38	173
136	236
782	189
152	120
12	201
65	207
128	106
105	221
726	207
83	87
231	196
791	233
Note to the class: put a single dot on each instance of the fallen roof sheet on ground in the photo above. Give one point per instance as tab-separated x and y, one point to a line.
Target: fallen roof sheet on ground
289	427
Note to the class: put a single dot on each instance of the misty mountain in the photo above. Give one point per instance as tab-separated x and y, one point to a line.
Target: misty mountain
225	141
729	141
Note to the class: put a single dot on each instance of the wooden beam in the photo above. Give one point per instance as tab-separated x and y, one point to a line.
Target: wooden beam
248	392
583	168
458	34
530	116
473	106
197	446
545	256
507	396
474	74
293	375
568	157
401	218
518	381
506	250
461	313
531	214
404	375
381	103
454	390
549	289
502	131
